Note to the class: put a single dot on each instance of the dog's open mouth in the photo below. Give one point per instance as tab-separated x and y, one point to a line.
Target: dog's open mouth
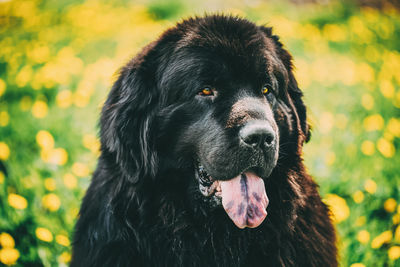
243	197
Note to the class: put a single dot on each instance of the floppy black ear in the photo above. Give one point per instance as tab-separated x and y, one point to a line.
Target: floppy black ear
294	91
297	96
126	120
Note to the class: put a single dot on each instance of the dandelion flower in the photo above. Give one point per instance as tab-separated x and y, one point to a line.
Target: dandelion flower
2	87
381	239
9	256
80	169
70	181
4	151
6	240
65	257
62	240
17	201
51	202
386	148
368	148
394	252
390	205
370	186
45	140
373	122
363	236
338	206
44	234
39	109
358	196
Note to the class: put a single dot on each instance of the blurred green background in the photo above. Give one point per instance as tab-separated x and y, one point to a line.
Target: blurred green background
58	60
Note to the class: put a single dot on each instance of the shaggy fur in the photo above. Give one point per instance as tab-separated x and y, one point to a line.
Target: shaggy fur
144	206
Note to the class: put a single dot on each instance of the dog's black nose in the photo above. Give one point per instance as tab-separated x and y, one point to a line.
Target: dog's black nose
257	134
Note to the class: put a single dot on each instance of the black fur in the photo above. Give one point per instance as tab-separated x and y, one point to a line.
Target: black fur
144	207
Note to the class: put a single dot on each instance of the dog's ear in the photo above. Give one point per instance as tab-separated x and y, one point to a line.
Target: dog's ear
295	94
297	97
127	117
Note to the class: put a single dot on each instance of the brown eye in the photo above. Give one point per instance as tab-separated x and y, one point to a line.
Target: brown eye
206	91
266	89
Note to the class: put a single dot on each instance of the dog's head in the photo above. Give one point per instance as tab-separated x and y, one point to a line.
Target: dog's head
213	102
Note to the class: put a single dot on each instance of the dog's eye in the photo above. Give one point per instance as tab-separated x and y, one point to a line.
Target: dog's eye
206	91
266	89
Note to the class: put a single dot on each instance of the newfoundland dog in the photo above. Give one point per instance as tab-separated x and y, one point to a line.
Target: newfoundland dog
201	158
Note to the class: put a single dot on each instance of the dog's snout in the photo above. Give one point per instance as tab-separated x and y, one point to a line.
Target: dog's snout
257	134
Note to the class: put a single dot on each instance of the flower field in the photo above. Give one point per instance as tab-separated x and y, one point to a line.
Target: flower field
58	60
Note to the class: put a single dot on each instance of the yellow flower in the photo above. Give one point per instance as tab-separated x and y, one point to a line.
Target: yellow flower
62	240
373	122
81	98
2	87
363	236
64	98
51	202
39	109
80	169
390	205
387	89
338	206
2	177
396	101
4	151
50	184
56	156
394	252
358	196
366	74
39	54
45	140
334	32
394	127
44	234
396	218
385	147
70	181
65	257
4	118
17	201
91	142
6	240
370	186
368	148
9	256
397	234
381	239
25	103
357	265
24	76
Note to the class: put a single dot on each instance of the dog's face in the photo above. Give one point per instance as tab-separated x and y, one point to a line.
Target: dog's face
216	100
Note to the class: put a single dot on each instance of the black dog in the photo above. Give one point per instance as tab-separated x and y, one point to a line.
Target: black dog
201	136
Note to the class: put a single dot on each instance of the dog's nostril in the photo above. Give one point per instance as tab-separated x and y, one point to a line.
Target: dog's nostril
268	139
257	134
253	140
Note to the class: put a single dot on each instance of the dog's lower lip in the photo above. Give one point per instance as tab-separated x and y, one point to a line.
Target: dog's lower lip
210	186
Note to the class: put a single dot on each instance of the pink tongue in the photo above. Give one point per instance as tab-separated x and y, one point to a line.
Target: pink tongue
245	200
